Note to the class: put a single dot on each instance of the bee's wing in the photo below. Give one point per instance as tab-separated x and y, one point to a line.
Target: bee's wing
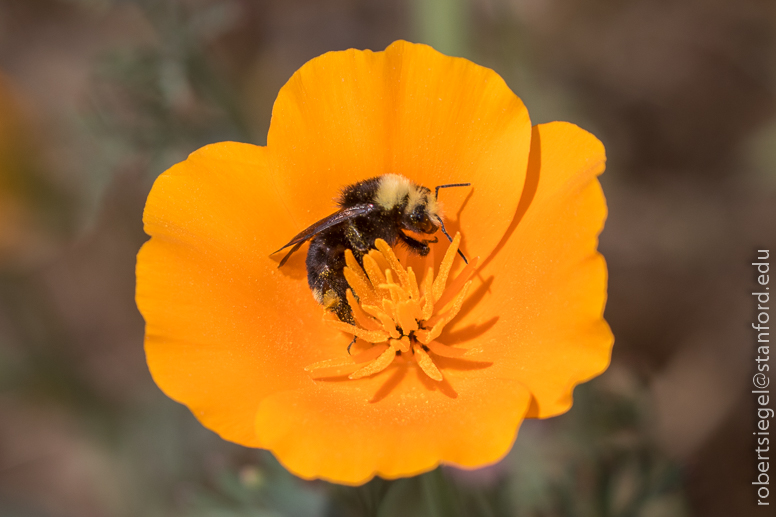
333	220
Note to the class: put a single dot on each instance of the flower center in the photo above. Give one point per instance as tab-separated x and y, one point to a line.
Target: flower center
399	318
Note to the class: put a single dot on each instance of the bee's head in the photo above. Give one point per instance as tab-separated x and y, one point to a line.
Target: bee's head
414	206
420	221
421	214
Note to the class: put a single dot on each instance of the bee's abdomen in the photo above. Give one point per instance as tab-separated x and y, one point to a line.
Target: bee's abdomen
325	273
326	258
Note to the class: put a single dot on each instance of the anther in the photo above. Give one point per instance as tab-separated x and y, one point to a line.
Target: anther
395	315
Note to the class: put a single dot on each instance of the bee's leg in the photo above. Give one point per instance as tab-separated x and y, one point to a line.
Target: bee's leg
359	243
344	312
419	247
335	286
351	344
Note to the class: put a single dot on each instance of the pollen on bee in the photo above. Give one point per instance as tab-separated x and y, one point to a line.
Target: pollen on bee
329	299
397	317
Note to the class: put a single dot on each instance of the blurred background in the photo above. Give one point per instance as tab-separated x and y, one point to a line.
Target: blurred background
98	97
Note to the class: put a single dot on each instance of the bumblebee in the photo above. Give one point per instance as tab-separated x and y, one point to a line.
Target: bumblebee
384	207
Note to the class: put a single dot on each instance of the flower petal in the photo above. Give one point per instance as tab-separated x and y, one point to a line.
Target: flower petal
346	116
541	317
342	432
224	326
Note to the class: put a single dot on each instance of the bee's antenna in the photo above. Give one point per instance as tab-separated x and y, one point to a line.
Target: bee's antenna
442	225
436	191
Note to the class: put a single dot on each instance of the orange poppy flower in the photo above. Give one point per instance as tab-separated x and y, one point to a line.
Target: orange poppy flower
242	342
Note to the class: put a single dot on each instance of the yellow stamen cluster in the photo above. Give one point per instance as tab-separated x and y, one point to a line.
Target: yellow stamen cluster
401	319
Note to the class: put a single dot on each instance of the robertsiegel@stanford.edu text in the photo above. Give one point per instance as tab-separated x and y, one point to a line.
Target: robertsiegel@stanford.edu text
761	379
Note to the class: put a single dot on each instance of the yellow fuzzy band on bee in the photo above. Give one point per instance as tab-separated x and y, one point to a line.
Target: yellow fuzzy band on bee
392	190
